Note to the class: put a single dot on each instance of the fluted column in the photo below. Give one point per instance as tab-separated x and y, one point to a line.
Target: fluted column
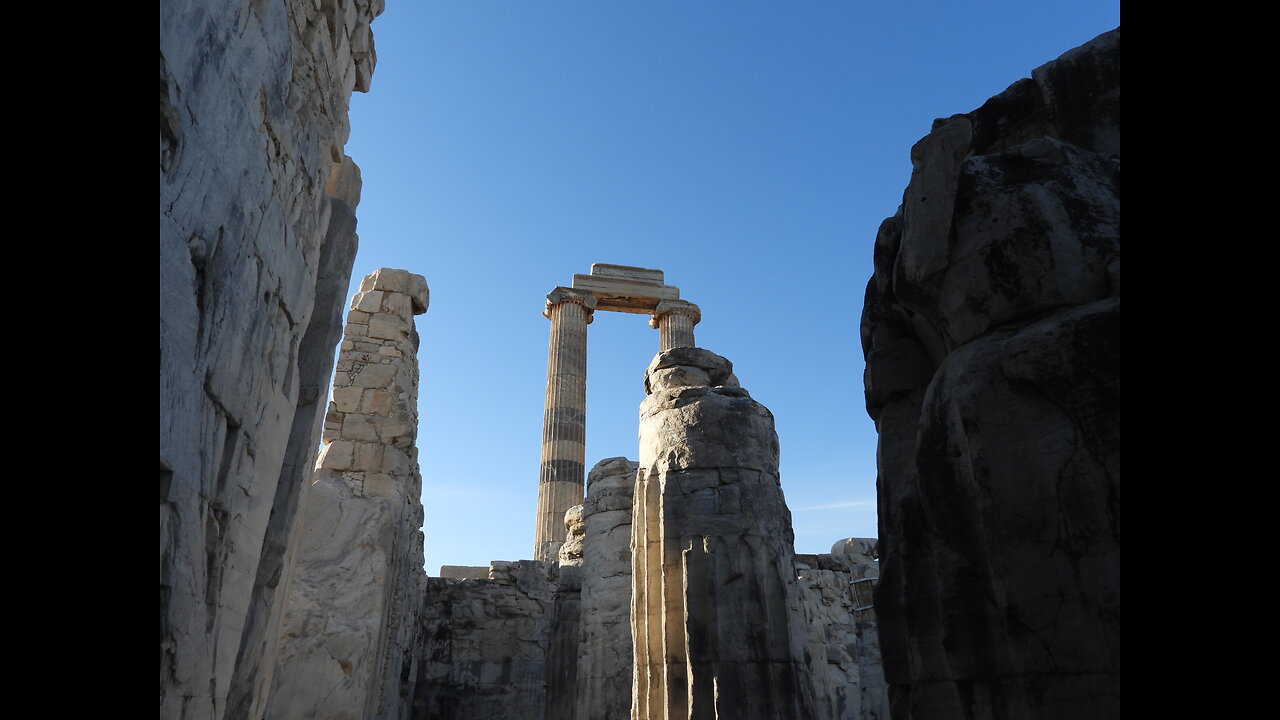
674	320
560	481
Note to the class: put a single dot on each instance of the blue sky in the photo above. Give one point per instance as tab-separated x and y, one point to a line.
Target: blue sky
748	149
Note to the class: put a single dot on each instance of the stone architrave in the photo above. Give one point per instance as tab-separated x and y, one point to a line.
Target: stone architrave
348	636
560	480
717	619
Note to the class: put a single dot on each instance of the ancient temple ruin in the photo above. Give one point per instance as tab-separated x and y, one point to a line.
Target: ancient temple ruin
618	288
291	579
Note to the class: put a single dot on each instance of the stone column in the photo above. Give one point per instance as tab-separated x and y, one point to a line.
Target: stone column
674	320
604	649
560	481
348	634
717	620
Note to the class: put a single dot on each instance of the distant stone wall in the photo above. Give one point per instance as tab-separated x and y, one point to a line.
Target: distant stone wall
992	335
483	644
843	652
257	239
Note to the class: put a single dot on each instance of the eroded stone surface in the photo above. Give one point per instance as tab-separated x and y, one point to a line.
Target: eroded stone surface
484	644
253	120
349	634
992	335
605	649
716	614
843	651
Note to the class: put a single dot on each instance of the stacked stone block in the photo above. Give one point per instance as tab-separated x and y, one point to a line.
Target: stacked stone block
348	637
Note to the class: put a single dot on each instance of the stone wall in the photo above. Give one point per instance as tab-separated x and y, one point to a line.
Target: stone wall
483	644
843	651
992	335
347	641
257	238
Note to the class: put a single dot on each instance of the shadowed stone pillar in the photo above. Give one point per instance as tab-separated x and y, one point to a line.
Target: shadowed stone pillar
560	481
674	320
717	620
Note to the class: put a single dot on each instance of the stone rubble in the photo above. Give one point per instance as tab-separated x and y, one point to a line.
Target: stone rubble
992	334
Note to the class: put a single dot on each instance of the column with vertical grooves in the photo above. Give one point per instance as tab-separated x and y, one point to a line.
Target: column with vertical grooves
674	320
561	478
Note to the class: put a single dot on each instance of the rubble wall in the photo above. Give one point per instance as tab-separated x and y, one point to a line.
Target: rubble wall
257	238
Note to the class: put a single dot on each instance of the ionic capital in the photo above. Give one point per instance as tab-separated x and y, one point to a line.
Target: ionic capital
564	294
677	307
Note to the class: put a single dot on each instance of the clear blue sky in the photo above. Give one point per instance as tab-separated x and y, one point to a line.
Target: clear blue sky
748	149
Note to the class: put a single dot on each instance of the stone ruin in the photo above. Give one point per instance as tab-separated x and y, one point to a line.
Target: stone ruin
598	629
291	582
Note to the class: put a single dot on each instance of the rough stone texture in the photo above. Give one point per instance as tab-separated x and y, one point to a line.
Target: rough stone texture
575	531
257	237
348	635
992	335
605	649
484	643
717	618
562	644
843	653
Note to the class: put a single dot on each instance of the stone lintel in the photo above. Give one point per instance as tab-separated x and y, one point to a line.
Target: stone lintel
627	272
465	572
625	295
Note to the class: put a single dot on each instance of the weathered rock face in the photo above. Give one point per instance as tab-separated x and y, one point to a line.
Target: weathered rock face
843	652
484	644
357	581
717	622
604	650
992	336
257	237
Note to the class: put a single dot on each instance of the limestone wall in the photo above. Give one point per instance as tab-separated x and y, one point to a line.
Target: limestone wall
257	237
348	636
843	651
992	335
483	644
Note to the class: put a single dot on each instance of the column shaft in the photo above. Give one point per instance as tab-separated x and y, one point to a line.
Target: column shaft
675	330
560	480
